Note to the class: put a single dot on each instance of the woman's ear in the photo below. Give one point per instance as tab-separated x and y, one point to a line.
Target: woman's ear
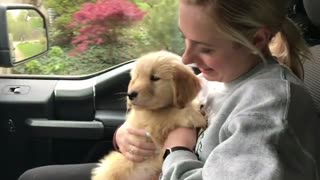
187	85
262	38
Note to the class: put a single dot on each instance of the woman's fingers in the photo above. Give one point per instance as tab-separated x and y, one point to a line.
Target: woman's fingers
141	143
133	157
140	133
141	139
136	154
135	144
134	150
139	146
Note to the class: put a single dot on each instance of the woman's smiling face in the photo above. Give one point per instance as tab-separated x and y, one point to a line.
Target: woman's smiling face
217	58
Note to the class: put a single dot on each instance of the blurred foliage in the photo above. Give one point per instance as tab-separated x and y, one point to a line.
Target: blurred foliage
101	23
57	62
24	25
161	27
36	22
54	62
65	10
29	49
158	30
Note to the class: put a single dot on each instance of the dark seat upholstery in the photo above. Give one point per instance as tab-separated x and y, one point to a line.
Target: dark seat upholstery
312	75
312	69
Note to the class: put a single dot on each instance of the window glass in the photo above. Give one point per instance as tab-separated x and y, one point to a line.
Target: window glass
87	36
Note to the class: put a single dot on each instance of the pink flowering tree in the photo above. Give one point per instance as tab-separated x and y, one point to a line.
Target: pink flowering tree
100	23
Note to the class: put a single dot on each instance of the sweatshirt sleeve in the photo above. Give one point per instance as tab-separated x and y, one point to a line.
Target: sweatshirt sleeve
258	135
182	165
248	153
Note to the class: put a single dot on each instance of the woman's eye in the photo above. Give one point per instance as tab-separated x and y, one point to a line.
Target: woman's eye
154	78
206	50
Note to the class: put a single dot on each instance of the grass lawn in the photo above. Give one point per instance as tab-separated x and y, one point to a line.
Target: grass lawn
29	49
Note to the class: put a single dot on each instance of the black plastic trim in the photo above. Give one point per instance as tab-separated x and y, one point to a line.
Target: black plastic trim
45	128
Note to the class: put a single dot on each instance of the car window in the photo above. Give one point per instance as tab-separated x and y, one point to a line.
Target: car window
89	36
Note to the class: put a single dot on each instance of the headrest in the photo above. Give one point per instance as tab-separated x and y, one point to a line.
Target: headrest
312	8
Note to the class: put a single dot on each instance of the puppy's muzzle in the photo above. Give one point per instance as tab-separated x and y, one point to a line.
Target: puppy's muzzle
132	95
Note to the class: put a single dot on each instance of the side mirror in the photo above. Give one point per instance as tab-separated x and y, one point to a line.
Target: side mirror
23	34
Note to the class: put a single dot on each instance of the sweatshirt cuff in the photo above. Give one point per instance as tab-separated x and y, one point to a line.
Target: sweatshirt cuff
176	157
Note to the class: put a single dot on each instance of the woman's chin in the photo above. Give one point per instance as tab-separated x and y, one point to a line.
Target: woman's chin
210	76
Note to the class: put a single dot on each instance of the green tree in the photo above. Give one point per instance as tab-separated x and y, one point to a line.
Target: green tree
101	23
159	29
36	22
18	25
65	9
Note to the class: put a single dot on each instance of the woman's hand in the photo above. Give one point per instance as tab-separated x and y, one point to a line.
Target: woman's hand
135	144
185	137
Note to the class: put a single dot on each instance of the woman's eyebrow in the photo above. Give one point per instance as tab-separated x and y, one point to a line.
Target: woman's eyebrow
195	41
201	43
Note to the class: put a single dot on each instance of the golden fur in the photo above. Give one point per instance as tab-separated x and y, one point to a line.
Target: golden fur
165	89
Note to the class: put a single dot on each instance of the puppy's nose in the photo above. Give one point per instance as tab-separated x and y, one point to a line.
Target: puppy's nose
132	95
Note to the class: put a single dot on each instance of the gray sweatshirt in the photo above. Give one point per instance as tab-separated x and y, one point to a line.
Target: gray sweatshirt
262	125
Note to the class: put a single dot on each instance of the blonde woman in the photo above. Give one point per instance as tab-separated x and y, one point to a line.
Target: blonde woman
261	120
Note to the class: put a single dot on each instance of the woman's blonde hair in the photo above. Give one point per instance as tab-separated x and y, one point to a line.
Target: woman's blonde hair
239	20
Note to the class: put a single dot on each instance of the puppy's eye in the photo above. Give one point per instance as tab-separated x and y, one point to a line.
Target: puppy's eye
154	78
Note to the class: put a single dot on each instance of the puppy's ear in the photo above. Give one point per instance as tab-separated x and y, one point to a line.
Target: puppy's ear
187	85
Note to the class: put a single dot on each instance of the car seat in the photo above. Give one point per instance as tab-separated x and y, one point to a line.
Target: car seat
312	75
312	68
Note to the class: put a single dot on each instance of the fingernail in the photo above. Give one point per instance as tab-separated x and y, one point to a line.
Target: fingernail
147	135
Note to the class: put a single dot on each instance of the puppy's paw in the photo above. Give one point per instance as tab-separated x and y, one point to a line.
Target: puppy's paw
194	119
201	121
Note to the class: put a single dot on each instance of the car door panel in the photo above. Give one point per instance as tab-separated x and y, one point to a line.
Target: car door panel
74	100
60	120
14	108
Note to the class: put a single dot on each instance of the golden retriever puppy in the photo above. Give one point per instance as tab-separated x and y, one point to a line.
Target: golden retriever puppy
159	98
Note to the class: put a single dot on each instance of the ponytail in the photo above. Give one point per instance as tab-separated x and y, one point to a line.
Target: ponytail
290	48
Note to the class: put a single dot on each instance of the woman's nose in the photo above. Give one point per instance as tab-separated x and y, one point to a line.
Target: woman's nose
187	55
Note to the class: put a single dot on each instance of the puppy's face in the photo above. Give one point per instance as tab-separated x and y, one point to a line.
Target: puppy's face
160	80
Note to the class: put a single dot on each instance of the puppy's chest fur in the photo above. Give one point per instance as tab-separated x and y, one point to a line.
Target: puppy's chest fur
158	123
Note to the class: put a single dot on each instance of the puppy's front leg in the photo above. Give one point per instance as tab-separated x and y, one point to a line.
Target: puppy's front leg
193	118
198	119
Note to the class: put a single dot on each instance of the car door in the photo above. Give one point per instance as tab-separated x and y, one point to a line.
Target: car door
60	121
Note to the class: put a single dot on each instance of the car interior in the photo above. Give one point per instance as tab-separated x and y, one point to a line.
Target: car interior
312	69
64	120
